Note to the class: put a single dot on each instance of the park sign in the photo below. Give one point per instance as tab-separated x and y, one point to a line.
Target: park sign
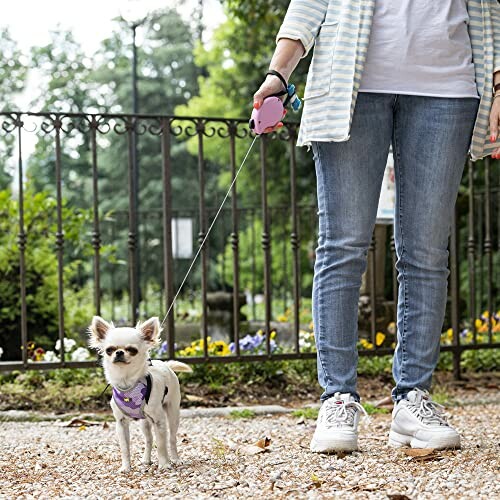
182	237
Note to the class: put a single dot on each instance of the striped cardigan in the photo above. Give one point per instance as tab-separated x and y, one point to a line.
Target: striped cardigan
340	31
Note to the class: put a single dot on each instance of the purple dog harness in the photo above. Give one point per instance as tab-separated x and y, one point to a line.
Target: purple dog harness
132	401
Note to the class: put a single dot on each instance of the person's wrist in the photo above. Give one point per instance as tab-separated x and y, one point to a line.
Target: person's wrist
281	71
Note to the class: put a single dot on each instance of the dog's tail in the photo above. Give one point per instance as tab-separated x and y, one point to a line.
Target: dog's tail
177	366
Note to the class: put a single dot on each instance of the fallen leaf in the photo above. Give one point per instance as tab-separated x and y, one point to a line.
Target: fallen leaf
78	422
387	401
418	452
82	428
194	399
263	443
471	388
250	449
316	482
253	449
105	425
397	496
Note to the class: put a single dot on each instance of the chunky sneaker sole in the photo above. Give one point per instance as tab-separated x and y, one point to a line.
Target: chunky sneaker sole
442	442
337	425
419	422
339	443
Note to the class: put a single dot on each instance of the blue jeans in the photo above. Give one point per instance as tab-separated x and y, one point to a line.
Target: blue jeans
430	137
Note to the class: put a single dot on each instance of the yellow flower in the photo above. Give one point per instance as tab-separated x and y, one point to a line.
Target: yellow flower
219	348
379	338
273	334
391	328
483	328
366	344
449	334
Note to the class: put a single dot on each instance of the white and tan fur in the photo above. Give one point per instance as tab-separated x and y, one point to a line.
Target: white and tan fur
125	370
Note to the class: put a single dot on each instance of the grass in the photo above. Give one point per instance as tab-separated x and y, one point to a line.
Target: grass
236	414
307	413
442	397
373	410
312	413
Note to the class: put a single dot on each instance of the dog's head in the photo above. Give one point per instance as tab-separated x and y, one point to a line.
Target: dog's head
125	347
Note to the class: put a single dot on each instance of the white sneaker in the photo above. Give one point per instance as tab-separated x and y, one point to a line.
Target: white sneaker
337	425
420	423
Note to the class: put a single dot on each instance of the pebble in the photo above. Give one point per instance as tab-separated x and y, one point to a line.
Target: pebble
85	463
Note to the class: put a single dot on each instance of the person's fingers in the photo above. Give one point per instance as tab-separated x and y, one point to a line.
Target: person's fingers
273	129
271	85
496	154
257	101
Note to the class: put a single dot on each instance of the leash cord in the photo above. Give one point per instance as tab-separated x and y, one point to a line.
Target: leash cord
208	232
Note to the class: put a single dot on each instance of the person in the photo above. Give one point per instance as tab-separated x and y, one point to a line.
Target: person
423	77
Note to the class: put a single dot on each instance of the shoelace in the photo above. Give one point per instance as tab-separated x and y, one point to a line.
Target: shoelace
342	412
430	411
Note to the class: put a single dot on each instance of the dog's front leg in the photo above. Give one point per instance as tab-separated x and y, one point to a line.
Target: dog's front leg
160	426
148	434
123	433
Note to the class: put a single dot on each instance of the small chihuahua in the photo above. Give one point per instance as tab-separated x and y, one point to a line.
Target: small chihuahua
143	390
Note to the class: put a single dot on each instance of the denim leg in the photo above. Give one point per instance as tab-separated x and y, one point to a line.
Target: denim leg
430	141
349	177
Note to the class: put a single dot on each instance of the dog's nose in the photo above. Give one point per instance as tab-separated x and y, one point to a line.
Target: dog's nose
119	354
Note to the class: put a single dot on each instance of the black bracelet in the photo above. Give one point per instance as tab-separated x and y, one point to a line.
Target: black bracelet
496	87
280	76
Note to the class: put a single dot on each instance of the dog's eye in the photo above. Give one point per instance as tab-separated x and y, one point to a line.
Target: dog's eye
131	350
110	351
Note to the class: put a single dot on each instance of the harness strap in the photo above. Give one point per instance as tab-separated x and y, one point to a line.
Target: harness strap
149	386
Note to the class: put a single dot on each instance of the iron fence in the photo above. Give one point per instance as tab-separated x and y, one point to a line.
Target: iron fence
141	242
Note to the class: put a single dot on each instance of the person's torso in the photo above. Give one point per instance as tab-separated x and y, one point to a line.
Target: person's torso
420	47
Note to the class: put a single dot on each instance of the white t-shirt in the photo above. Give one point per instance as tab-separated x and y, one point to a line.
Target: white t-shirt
420	47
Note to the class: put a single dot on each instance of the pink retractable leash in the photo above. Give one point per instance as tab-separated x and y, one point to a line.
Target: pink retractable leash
268	115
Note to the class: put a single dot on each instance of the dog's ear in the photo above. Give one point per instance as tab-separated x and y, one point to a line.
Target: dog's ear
150	330
97	331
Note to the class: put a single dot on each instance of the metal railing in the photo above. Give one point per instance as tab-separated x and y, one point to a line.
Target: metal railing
474	248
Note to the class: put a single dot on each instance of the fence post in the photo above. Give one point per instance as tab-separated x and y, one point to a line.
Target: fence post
168	271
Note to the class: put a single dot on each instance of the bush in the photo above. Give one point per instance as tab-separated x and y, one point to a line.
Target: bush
41	264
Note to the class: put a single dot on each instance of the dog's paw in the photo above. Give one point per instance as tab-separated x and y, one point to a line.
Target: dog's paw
176	461
164	466
124	469
146	462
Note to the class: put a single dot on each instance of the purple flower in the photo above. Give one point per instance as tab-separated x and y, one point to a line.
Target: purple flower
163	348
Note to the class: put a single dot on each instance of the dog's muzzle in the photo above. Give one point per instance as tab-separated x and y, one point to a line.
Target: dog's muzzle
119	357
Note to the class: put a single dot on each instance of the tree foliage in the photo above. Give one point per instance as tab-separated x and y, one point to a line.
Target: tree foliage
13	72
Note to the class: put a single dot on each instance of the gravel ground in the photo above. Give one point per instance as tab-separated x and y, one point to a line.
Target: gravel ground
46	460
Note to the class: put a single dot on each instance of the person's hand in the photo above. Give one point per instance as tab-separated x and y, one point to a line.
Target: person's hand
272	84
494	126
